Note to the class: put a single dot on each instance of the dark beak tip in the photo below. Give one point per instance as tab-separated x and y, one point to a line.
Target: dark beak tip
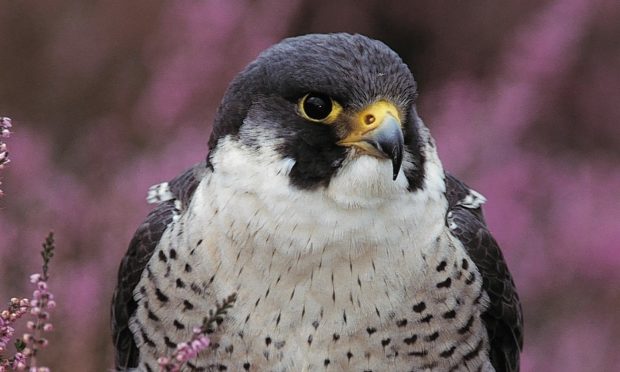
392	151
389	141
397	160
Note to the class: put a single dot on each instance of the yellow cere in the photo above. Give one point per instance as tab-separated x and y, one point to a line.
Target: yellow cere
372	115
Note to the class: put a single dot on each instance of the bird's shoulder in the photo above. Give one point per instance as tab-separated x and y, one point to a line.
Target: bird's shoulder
503	318
171	198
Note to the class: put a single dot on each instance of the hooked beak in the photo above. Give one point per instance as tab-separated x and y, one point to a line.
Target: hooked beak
376	131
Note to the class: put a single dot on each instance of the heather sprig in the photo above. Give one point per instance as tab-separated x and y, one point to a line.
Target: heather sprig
199	341
38	308
16	309
5	126
47	253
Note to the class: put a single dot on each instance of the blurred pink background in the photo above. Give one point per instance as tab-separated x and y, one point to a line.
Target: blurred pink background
523	97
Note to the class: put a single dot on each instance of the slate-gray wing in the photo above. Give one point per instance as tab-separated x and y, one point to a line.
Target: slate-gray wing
140	250
503	318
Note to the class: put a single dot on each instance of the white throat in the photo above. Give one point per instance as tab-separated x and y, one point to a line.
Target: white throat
360	209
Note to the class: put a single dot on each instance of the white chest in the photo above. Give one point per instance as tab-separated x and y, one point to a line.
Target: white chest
346	282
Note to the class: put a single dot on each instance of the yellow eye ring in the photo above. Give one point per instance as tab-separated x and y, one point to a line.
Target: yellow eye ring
319	108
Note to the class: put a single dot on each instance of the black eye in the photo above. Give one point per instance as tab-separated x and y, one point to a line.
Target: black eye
319	107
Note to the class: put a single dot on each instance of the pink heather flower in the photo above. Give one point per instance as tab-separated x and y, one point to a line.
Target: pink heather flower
4	155
5	124
199	342
167	365
185	351
7	318
19	361
37	306
34	278
6	333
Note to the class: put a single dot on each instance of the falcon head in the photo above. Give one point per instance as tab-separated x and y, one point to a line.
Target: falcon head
328	107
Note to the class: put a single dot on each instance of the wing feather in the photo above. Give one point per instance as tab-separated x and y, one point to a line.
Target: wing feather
503	319
140	250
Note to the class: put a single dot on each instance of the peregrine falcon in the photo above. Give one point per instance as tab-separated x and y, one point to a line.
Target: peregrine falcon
323	205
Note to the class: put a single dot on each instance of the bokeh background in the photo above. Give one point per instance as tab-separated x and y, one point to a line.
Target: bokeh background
523	97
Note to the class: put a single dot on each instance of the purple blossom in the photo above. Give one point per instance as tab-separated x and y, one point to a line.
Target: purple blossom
42	300
17	308
5	125
185	351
